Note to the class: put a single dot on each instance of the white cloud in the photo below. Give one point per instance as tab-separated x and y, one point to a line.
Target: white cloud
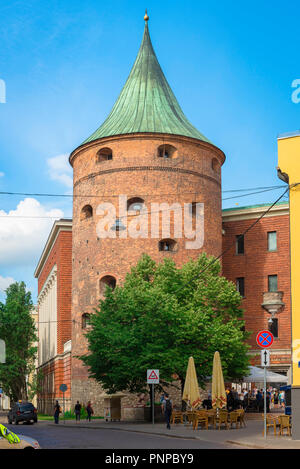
60	170
1	174
5	282
22	238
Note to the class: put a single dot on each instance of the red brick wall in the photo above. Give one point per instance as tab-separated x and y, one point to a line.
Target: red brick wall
255	265
61	255
136	171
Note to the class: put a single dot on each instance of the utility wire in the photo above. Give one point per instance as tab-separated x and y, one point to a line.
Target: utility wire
249	228
146	213
133	195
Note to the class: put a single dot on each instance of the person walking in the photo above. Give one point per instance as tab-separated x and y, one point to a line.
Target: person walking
89	411
77	411
57	411
167	407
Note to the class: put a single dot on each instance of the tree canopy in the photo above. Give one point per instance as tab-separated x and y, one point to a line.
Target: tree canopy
17	329
159	317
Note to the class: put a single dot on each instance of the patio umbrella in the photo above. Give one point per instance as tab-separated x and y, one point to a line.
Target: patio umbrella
191	394
219	399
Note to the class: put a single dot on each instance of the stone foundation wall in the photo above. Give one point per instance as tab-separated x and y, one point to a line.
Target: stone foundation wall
131	404
46	406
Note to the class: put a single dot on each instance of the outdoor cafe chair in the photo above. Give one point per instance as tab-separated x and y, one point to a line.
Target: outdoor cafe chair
271	422
234	419
177	417
189	415
212	413
241	417
222	418
284	421
200	417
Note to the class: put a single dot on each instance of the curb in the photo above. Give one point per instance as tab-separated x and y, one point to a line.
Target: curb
127	430
247	445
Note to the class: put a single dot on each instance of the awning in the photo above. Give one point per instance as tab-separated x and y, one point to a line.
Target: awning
257	376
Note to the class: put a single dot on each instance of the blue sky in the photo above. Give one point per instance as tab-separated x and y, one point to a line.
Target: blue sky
230	65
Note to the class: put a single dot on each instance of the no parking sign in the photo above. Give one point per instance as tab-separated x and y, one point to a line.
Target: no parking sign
264	339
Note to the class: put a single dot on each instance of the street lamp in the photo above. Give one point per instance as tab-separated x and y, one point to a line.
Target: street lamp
272	303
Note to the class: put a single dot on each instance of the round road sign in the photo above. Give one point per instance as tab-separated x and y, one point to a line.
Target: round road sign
63	387
264	339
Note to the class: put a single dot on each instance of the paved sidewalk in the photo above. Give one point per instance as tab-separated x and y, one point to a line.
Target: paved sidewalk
249	437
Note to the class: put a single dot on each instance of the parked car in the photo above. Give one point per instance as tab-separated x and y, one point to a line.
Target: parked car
25	442
22	412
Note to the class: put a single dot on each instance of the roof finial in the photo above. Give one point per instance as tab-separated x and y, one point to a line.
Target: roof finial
146	17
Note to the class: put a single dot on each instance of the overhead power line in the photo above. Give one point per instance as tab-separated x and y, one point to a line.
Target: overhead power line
108	196
250	227
38	194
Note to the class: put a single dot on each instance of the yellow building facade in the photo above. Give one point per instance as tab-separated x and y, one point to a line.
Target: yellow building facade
289	171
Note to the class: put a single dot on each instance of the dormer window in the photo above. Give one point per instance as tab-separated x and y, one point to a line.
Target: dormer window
215	164
107	281
85	320
167	151
105	154
135	204
167	245
86	212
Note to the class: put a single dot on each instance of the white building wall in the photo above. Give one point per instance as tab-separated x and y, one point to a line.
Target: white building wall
47	302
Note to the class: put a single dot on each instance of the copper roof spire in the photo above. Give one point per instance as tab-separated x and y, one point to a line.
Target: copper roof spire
146	102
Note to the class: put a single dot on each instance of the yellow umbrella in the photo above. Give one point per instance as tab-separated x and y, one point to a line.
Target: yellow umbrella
191	392
219	399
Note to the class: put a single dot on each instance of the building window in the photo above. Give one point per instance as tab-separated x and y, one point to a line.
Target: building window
193	209
240	286
86	320
215	164
167	245
105	154
272	283
272	241
273	327
135	204
239	242
86	212
167	151
107	281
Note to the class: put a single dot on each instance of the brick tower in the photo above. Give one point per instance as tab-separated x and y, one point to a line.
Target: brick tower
148	152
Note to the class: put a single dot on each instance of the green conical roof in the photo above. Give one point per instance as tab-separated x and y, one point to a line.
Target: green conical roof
146	103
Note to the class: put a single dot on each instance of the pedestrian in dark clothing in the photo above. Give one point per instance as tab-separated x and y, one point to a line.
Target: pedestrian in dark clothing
89	411
57	411
167	407
77	411
230	401
259	400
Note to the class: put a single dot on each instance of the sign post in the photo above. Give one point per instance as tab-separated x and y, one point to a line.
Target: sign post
2	351
265	339
152	378
63	388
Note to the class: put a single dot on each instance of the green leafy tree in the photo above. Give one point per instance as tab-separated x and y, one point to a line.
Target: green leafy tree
17	329
160	317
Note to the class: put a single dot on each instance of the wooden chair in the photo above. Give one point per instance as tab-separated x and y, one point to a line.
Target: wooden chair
284	421
234	419
271	422
241	413
189	415
200	417
212	414
222	419
177	417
